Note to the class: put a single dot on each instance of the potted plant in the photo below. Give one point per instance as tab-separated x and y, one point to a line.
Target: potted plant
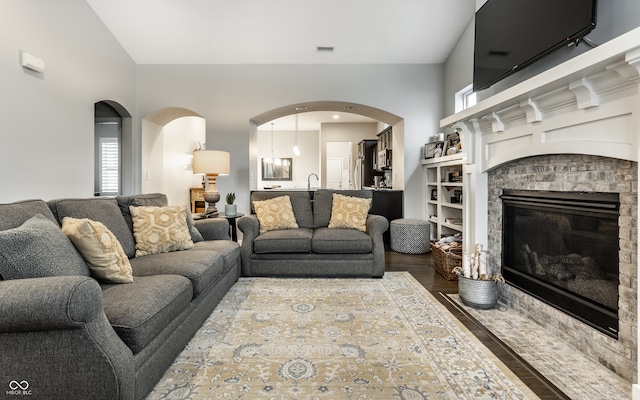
476	287
230	209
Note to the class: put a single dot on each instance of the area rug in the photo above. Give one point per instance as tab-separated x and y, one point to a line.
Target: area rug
336	339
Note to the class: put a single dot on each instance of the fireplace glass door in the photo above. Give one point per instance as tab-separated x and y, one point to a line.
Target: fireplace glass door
562	247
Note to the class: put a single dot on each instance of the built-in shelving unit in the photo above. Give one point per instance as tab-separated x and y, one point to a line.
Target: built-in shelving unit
444	195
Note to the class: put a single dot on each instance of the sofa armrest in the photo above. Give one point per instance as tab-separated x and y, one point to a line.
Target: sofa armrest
213	228
54	335
60	302
250	228
376	226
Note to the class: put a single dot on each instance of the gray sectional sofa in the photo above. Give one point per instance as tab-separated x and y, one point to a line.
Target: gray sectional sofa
64	334
313	249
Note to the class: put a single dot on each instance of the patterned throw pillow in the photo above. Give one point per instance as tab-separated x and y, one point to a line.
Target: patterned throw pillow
160	229
100	249
349	212
276	213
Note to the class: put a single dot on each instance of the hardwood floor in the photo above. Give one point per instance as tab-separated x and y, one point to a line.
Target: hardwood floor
421	267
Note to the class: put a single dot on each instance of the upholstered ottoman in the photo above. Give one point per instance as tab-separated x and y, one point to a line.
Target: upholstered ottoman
410	236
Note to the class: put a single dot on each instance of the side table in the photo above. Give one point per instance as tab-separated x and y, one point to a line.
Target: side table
197	200
232	224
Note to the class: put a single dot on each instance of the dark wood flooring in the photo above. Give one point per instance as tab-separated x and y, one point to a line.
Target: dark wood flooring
421	268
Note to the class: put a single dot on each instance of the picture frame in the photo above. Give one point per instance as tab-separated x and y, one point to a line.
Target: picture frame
282	171
429	149
453	144
439	149
434	194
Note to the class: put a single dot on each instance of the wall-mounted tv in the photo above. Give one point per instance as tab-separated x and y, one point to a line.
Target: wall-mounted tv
511	34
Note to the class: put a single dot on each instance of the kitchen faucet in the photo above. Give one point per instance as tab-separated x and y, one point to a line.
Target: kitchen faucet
309	180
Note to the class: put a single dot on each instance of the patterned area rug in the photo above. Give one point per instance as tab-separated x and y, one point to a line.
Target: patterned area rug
336	339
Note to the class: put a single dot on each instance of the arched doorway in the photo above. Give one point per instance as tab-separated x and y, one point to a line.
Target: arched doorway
169	137
113	149
384	117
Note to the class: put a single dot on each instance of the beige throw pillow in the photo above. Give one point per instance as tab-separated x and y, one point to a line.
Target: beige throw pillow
349	212
100	249
160	229
276	213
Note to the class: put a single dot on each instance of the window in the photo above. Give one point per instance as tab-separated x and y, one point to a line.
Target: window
465	98
107	158
109	165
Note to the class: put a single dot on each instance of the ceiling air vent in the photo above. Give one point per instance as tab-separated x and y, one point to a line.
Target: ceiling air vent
325	49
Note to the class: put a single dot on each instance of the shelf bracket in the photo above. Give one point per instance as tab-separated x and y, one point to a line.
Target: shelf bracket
630	67
625	69
532	111
585	95
633	59
496	123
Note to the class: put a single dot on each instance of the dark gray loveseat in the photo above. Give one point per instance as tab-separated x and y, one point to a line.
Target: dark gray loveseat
312	249
72	337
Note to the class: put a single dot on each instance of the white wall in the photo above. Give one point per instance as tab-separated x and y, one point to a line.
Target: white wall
46	128
227	96
167	157
459	67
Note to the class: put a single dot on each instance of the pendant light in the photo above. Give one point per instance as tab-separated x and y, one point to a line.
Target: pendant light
296	149
269	160
275	161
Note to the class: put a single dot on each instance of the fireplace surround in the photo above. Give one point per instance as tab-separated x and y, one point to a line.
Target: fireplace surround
577	173
572	128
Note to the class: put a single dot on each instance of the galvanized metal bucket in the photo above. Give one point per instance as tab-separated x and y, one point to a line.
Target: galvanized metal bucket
478	294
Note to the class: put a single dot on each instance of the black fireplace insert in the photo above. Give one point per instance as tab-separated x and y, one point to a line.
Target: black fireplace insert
562	248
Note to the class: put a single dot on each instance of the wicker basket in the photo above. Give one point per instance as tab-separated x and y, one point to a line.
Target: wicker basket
478	294
445	262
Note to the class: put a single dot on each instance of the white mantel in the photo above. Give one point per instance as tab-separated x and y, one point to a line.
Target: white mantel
589	104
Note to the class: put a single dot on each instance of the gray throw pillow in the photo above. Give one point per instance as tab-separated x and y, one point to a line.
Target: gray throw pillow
38	248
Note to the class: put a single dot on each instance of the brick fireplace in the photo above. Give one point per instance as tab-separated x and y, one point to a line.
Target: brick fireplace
572	128
576	173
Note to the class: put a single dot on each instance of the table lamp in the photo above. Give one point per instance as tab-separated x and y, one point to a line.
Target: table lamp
211	163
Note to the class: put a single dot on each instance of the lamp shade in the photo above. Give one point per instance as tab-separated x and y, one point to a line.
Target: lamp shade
211	162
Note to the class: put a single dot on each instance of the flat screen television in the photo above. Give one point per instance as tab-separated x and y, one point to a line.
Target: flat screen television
511	34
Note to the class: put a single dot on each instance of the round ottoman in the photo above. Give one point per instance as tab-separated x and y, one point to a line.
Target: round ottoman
410	236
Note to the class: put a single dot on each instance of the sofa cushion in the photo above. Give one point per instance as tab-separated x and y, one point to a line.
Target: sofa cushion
300	202
100	249
274	214
97	209
341	241
284	241
200	267
36	249
139	311
160	229
153	199
323	201
13	215
349	212
229	250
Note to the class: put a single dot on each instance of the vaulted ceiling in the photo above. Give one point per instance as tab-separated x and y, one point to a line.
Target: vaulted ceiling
286	31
